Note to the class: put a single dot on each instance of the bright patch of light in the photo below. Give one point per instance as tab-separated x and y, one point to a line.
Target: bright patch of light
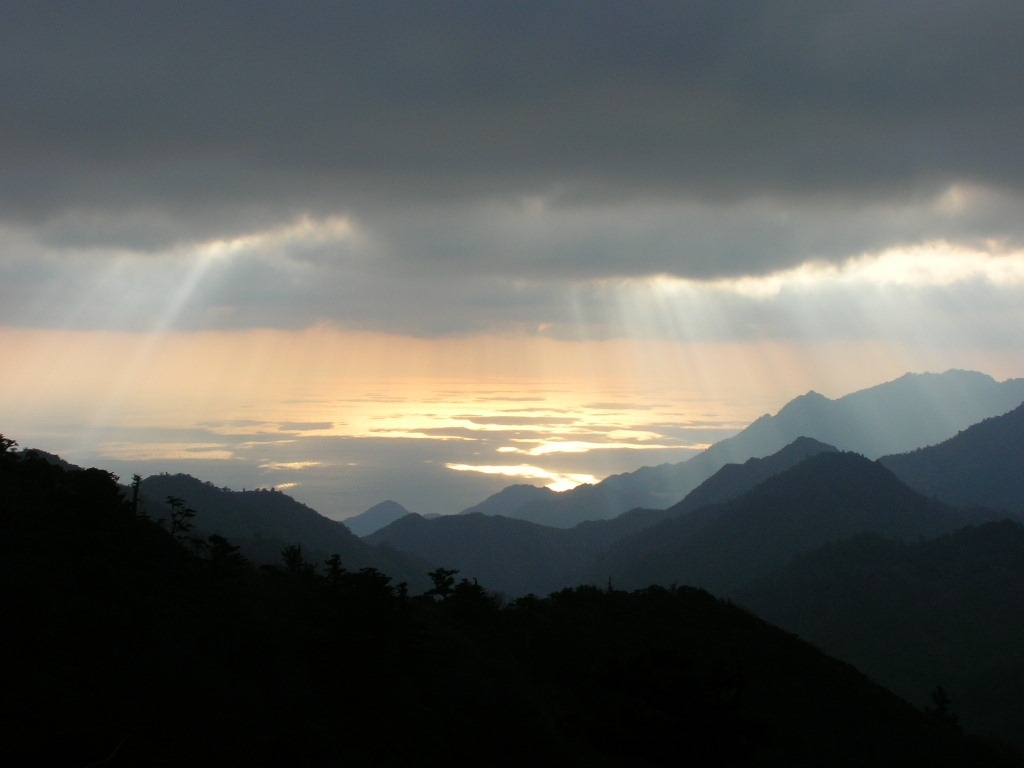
931	264
305	231
557	481
937	264
282	465
249	445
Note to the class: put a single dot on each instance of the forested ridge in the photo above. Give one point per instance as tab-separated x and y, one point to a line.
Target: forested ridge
131	643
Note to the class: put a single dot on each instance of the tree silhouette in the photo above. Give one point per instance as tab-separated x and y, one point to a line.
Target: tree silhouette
294	563
223	555
444	582
180	521
941	708
136	486
335	571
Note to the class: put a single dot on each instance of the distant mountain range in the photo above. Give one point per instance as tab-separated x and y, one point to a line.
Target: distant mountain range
744	521
913	411
740	523
980	466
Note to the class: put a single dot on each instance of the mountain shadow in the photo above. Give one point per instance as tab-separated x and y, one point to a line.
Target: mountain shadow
983	464
947	612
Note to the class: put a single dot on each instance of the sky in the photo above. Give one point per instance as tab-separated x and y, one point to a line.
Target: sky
422	250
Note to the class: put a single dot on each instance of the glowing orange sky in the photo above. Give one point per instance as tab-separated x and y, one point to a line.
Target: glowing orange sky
302	375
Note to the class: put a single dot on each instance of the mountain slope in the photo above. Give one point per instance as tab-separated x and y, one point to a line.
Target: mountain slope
733	480
912	411
263	522
983	464
827	497
947	611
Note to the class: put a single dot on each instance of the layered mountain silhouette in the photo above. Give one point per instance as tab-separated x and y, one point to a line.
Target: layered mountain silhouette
740	523
913	411
264	522
895	565
129	646
827	497
984	464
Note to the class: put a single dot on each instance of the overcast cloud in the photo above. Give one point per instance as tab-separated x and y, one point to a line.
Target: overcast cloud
439	168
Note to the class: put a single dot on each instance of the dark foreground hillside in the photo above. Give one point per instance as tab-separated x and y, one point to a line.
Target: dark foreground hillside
263	522
913	615
126	645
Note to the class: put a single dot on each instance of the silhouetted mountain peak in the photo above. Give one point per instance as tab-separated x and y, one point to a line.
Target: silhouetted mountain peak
801	448
839	473
811	397
375	518
734	479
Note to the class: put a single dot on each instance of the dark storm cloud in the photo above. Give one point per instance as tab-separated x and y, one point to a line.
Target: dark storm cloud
221	109
490	164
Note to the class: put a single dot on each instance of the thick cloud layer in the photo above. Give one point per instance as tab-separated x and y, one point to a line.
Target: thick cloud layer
461	164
